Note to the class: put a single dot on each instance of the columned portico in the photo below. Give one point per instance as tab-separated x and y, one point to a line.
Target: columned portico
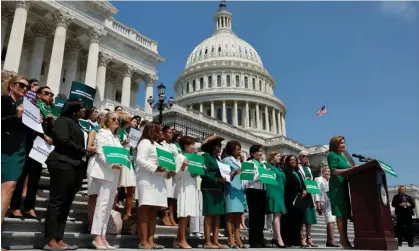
257	117
35	65
279	123
72	57
274	129
14	48
224	112
94	34
127	70
246	119
62	20
266	119
235	114
104	59
149	81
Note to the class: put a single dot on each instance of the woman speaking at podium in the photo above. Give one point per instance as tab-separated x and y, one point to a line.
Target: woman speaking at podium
338	188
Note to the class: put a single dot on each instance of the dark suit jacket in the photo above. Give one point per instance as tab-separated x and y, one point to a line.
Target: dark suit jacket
293	187
69	142
401	211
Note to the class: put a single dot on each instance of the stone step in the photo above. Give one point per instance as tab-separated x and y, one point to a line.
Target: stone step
77	206
78	215
44	183
42	193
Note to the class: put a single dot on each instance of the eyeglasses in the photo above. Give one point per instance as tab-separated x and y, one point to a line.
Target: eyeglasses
114	119
48	93
23	85
34	84
304	156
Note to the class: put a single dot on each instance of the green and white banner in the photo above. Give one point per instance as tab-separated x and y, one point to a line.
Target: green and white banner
312	187
84	92
85	125
58	106
196	163
117	155
267	177
166	159
247	171
387	168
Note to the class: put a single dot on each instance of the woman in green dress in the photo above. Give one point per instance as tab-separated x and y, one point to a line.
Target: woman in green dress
310	214
338	188
212	188
275	197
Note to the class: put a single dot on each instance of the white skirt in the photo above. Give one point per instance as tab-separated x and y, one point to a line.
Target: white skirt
170	187
151	191
187	196
127	178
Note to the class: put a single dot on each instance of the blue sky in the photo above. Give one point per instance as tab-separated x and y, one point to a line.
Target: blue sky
361	59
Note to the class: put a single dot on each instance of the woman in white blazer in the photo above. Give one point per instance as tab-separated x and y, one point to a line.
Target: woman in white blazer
323	205
104	180
150	184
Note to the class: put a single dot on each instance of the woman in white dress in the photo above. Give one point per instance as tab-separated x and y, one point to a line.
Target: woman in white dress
169	218
104	180
323	205
186	192
151	186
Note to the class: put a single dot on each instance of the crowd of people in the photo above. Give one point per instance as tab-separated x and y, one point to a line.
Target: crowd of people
200	202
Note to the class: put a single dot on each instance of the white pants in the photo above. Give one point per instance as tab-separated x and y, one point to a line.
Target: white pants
196	224
105	198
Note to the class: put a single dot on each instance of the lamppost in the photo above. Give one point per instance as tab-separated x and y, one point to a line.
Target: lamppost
161	89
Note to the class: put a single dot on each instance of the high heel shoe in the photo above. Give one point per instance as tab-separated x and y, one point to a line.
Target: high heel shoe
310	243
332	245
98	247
109	247
275	242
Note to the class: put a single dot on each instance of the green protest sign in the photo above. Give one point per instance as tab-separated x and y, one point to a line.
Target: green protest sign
267	177
387	168
166	159
58	106
247	171
117	155
85	125
84	92
196	163
312	187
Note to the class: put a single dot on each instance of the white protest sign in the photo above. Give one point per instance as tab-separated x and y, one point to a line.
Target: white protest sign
134	137
31	116
225	171
40	150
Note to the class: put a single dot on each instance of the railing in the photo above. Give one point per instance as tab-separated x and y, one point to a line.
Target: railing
132	34
111	104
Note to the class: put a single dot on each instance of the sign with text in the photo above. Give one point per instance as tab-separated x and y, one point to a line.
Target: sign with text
225	171
312	187
195	164
166	159
267	177
247	171
31	116
134	137
117	155
83	92
40	150
58	106
387	168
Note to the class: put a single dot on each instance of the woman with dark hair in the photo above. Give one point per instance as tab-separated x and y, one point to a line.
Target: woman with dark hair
176	138
256	200
67	168
33	169
338	188
118	109
12	139
293	220
234	194
150	184
212	188
403	206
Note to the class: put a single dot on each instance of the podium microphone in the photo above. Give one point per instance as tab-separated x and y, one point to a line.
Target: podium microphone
362	158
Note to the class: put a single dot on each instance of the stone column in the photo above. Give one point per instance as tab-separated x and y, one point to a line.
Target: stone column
235	118
109	87
267	118
149	81
257	117
246	121
279	123
104	59
201	107
224	112
92	61
62	19
212	109
284	131
127	70
35	65
24	60
133	96
273	128
14	48
72	57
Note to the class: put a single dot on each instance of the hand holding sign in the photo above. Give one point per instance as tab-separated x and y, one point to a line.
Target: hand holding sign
31	115
225	171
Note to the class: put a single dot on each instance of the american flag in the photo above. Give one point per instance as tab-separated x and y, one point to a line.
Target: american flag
322	111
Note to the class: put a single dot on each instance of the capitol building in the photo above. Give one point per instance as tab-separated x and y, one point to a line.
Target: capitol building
224	89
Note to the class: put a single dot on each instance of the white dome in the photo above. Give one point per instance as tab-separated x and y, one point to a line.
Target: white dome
224	44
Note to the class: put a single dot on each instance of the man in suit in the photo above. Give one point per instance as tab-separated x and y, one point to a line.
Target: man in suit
404	206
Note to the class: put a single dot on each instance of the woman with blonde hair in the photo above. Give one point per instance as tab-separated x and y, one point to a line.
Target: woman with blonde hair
105	179
6	76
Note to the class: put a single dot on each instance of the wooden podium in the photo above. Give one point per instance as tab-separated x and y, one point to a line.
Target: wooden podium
371	208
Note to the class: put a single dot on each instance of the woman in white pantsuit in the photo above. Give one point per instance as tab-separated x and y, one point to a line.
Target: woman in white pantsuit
323	205
104	180
150	184
186	192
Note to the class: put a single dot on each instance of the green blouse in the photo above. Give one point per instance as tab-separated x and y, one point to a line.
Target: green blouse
337	161
211	173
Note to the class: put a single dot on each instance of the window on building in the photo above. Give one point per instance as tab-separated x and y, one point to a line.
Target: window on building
246	82
193	85
206	51
263	121
212	49
200	53
239	117
260	85
218	80
201	83
219	114
219	48
250	118
229	116
183	90
209	81
237	81
209	112
254	83
187	87
270	120
118	95
228	80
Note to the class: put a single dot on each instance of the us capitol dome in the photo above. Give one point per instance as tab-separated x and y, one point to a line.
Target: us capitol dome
224	78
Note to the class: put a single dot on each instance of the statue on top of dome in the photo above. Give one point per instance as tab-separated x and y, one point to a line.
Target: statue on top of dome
223	5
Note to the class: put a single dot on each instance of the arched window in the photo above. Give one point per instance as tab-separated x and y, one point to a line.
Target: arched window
193	85
209	81
187	87
218	80
229	116
219	114
228	80
212	49
246	82
219	48
237	81
254	83
201	83
260	85
239	117
206	51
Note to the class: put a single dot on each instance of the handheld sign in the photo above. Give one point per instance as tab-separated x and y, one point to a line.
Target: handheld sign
166	159
195	164
58	106
225	171
85	125
117	155
387	168
312	186
267	177
247	171
40	150
31	116
83	92
134	137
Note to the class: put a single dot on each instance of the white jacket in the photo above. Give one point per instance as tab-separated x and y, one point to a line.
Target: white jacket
97	167
323	187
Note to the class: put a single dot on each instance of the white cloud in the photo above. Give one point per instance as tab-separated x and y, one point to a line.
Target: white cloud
401	9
